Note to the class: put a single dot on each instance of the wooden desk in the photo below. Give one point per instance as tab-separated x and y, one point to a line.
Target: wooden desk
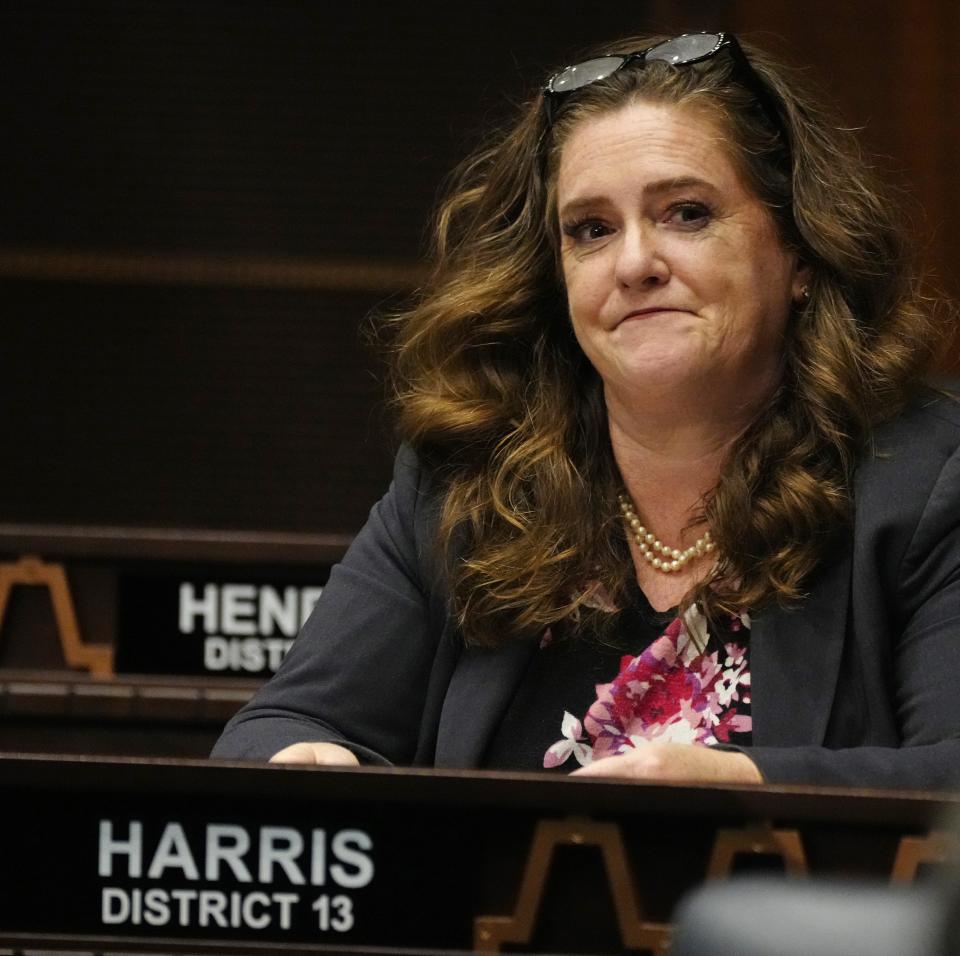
138	855
92	660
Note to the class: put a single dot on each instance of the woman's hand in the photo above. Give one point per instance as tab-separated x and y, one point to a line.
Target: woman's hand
675	763
328	755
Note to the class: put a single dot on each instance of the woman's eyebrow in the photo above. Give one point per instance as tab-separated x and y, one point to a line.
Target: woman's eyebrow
659	187
674	183
582	204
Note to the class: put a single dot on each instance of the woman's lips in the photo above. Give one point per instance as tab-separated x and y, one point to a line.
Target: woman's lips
651	311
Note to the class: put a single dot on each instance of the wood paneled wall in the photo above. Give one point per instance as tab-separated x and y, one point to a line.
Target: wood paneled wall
892	69
201	202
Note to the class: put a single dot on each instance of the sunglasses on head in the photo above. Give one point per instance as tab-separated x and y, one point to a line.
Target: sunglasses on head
683	50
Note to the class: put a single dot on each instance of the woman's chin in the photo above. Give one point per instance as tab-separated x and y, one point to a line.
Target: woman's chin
672	373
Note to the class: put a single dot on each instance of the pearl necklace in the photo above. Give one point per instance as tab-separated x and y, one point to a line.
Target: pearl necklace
658	555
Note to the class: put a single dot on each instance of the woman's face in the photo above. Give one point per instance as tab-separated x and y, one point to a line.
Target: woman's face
676	277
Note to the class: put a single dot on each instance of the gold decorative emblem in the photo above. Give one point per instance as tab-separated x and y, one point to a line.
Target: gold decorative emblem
30	570
756	840
490	932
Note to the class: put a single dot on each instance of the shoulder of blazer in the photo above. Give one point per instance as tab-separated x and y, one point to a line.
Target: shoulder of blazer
909	450
931	420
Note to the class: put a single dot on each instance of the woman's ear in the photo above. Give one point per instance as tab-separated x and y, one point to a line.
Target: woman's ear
802	278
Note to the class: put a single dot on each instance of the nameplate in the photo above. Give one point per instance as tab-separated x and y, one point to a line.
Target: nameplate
220	621
198	857
160	868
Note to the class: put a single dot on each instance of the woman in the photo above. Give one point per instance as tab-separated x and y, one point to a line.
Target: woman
671	305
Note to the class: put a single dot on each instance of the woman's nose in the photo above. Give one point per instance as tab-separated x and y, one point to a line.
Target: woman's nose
640	259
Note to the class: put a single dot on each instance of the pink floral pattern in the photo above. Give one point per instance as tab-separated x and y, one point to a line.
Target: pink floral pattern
676	690
572	743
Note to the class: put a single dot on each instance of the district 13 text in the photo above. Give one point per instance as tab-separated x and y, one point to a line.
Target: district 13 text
159	880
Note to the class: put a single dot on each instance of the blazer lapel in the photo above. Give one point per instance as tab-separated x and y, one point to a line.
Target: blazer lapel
480	691
795	661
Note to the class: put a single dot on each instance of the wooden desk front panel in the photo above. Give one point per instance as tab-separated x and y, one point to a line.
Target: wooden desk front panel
196	857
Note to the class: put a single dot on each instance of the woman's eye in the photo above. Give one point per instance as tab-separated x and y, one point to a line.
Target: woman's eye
587	230
692	214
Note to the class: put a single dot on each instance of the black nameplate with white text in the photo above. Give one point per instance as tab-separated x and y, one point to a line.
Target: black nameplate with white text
178	878
211	621
176	867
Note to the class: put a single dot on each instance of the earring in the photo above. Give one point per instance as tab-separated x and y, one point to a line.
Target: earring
805	292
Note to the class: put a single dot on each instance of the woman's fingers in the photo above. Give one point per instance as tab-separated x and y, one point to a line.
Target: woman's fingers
676	763
317	753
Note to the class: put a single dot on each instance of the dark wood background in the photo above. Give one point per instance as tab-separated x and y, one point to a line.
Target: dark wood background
201	202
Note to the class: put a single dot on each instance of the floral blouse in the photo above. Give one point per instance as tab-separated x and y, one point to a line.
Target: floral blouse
678	689
682	681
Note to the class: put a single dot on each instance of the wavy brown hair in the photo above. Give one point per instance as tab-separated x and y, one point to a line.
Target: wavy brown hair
494	392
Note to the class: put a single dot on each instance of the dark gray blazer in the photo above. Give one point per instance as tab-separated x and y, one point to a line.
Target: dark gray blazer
859	686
